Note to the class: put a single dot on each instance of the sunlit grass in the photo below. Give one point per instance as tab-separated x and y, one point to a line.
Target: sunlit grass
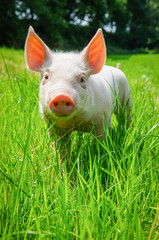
109	189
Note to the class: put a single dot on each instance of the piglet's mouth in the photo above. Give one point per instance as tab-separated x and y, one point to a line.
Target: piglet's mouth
62	105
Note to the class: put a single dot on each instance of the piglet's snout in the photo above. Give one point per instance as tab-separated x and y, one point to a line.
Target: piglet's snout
62	104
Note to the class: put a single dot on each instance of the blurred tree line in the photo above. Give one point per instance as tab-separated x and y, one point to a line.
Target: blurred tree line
70	24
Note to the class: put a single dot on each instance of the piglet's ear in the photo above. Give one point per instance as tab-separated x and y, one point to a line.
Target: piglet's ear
95	52
37	54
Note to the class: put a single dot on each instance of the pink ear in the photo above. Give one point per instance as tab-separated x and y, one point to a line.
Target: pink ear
95	52
36	52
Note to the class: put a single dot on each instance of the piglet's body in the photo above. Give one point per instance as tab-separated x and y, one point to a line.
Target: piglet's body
77	91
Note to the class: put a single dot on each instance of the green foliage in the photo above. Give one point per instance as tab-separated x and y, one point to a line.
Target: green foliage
70	24
103	190
144	23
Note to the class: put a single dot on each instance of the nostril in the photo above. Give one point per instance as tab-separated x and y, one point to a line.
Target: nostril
68	104
55	104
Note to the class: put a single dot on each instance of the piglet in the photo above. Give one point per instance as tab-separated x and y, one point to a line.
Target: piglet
77	91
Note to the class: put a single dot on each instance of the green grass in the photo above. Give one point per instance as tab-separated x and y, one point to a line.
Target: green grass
109	189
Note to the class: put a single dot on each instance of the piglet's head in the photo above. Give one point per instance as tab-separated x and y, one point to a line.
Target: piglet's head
65	76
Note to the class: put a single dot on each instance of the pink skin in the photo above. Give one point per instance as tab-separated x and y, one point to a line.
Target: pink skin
62	104
118	65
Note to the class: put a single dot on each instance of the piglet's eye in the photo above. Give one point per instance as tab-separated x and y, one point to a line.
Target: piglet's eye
83	81
45	78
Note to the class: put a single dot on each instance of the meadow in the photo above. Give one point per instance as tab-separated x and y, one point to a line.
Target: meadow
109	189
